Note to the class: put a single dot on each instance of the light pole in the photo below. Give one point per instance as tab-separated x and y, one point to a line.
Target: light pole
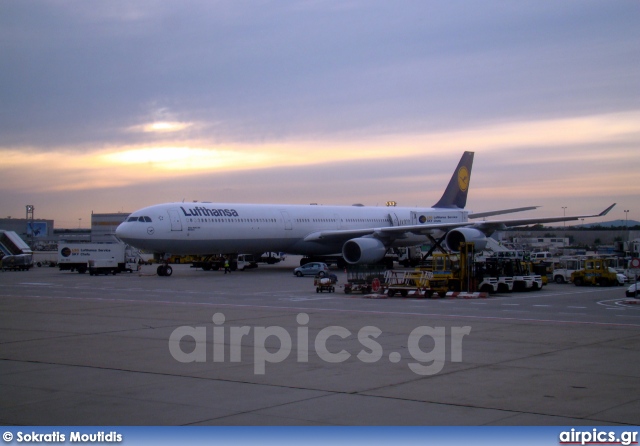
564	214
626	218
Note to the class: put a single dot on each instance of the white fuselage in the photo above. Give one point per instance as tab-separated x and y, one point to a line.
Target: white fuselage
222	228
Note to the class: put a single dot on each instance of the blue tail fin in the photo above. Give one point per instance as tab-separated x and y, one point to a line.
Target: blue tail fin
455	195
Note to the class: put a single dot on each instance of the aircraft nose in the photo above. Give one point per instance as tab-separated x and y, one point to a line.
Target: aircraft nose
121	231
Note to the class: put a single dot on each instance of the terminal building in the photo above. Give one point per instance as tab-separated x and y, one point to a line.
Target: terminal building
103	226
42	235
35	232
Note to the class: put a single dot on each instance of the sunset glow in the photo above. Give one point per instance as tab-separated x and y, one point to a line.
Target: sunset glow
162	127
216	101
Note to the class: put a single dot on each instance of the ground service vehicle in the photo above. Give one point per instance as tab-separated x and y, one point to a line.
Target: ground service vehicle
213	263
405	282
542	269
16	255
410	256
246	261
595	272
524	278
271	258
240	262
364	279
18	262
103	266
495	267
323	283
76	256
564	268
456	272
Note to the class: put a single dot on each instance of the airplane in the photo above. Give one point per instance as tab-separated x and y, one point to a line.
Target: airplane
361	234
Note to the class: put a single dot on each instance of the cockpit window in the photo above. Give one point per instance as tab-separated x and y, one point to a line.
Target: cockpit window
132	219
147	219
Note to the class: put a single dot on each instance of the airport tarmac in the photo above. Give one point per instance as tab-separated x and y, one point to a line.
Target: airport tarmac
84	350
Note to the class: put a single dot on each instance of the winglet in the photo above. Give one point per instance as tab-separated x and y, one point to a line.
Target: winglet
606	211
455	195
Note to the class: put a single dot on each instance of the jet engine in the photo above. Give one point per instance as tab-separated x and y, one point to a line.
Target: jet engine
363	250
469	235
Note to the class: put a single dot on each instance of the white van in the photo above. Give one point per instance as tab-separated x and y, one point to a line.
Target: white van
246	261
540	255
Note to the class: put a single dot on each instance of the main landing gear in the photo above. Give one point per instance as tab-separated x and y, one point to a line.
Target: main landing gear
165	270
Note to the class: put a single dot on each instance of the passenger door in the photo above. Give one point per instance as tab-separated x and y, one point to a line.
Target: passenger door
174	217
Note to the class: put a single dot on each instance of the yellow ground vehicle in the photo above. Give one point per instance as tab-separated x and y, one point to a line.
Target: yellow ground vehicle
595	272
457	272
405	282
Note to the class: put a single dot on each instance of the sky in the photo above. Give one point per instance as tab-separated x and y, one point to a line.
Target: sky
110	106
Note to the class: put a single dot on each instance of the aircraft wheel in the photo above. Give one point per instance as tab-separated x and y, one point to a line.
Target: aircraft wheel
164	270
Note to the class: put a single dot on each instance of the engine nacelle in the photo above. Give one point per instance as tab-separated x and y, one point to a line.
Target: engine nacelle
469	235
363	250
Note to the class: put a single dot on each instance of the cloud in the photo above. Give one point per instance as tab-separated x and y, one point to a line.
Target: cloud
79	75
566	144
107	95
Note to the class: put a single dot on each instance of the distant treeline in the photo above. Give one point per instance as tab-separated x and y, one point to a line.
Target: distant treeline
578	228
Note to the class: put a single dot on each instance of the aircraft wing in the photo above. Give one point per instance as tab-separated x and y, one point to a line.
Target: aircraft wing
501	212
533	221
386	232
396	232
